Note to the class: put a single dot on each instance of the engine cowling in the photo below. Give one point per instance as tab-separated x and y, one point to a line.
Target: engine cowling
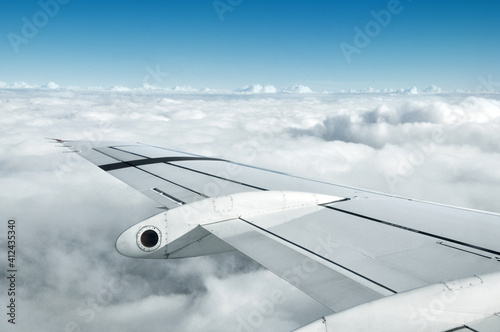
179	232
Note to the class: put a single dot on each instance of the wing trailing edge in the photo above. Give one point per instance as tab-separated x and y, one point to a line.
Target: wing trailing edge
471	303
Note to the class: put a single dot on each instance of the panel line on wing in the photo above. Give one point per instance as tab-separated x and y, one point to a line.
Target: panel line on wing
149	161
172	182
118	149
219	177
312	180
143	156
155	175
157	147
173	159
106	154
414	230
467	251
172	198
320	256
462	328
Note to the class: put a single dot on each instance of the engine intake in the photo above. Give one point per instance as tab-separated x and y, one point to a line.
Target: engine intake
148	238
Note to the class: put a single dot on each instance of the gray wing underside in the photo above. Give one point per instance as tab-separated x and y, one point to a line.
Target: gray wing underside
488	324
343	254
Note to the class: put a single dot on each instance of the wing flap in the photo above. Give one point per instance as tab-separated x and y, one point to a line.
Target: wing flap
488	324
336	290
376	256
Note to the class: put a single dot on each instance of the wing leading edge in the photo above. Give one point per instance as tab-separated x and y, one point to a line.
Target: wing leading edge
358	252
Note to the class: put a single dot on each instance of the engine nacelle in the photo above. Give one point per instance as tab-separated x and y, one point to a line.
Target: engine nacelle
179	232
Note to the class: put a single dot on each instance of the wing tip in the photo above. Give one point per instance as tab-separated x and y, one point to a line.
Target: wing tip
56	140
65	144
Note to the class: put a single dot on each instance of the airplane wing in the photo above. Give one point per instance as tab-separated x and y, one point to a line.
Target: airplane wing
377	261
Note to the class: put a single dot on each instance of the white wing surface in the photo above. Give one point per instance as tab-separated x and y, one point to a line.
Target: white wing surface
376	260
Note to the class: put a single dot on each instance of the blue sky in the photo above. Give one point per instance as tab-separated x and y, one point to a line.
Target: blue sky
283	43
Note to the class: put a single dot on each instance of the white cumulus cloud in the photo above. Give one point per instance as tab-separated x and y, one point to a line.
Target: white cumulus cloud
297	89
257	88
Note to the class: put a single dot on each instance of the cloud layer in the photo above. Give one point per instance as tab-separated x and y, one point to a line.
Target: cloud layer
485	87
431	145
